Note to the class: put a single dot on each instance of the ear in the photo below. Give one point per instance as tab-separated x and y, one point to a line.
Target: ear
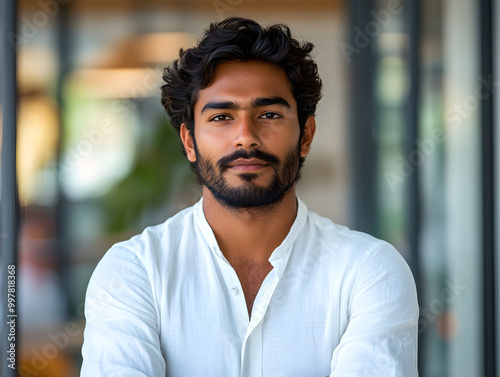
188	142
307	138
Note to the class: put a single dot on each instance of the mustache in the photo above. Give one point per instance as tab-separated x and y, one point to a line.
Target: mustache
255	153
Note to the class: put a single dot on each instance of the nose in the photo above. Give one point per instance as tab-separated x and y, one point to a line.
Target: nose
247	133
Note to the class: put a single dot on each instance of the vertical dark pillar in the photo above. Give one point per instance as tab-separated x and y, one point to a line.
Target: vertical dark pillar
488	192
414	201
9	207
413	186
64	39
363	149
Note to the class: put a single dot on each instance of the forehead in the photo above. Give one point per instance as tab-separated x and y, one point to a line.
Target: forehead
242	82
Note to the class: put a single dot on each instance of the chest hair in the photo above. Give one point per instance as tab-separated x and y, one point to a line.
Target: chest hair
251	276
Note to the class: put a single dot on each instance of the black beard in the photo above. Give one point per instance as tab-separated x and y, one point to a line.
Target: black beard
249	194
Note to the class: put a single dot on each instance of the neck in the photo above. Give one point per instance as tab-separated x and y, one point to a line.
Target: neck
250	234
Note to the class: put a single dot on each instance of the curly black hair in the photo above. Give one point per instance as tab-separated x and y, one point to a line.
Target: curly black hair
239	39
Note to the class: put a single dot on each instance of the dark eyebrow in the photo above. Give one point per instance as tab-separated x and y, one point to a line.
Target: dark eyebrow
220	105
258	102
271	101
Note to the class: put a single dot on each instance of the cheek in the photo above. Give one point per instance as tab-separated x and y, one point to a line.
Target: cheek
209	137
213	146
281	136
205	152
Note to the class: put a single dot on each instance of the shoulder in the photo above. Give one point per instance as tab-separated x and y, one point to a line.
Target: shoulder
145	254
370	268
340	239
352	253
155	240
132	271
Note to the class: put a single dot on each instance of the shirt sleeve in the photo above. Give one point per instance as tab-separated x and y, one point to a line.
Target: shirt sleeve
121	331
381	335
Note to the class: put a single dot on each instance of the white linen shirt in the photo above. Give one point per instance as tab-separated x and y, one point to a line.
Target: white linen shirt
167	303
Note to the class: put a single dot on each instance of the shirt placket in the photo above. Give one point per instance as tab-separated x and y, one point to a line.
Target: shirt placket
251	352
249	330
234	292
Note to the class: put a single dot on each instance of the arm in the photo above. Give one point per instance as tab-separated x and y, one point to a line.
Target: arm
381	336
121	332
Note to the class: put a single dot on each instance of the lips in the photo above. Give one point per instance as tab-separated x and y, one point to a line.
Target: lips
252	164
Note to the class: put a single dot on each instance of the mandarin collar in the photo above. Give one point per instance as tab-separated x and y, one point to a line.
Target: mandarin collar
279	256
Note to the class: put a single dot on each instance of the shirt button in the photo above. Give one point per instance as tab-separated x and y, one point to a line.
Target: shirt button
234	290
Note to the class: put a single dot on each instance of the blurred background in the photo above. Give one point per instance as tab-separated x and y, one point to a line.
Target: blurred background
403	150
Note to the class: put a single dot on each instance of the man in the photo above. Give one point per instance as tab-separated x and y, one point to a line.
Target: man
249	282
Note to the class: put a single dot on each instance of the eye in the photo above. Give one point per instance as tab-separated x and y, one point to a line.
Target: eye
219	118
270	115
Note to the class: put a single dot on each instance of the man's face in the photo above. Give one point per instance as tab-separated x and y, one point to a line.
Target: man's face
246	146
